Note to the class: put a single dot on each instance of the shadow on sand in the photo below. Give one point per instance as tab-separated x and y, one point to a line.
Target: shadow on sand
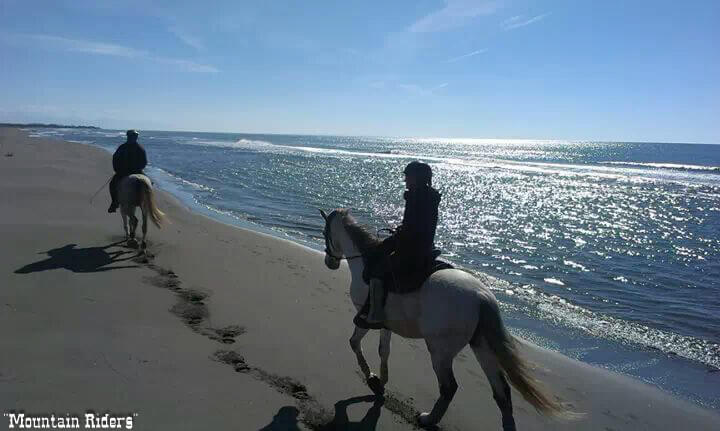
89	259
286	418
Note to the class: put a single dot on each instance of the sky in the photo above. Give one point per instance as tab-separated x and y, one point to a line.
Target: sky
635	70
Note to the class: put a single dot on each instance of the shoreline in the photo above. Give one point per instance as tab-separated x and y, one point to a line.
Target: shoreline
295	315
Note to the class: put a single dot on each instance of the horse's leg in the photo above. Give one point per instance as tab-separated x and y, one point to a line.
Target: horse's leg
501	389
144	226
443	350
384	352
123	214
133	222
356	346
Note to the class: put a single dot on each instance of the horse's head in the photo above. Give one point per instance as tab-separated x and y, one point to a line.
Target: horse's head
333	253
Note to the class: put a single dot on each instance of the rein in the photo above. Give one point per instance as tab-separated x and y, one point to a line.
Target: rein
101	187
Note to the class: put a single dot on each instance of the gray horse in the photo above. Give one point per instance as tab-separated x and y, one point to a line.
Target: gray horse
136	191
451	310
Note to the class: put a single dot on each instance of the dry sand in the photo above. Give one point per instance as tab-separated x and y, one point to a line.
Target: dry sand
86	324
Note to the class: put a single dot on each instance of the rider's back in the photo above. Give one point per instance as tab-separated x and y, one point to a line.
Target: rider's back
129	159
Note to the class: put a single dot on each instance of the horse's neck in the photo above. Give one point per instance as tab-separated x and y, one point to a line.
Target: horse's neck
358	288
356	270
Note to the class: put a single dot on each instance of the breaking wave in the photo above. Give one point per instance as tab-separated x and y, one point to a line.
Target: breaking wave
674	166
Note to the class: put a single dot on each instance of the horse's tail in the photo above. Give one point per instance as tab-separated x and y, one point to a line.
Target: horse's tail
505	347
147	199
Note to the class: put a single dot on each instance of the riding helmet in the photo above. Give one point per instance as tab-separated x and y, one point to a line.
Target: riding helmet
419	170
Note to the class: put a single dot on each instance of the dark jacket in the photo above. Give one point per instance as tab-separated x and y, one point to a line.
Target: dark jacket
406	254
414	240
416	234
129	159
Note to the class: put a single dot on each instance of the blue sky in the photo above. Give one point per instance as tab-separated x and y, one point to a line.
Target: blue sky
568	69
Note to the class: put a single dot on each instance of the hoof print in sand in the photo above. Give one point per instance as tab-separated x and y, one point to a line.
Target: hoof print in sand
166	273
163	282
192	310
228	334
231	358
193	296
191	313
225	335
291	386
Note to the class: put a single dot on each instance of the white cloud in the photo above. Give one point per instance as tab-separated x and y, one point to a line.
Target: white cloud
84	46
469	54
187	65
456	13
109	49
519	21
421	91
187	39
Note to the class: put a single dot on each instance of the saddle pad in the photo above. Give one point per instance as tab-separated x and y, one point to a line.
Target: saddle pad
414	283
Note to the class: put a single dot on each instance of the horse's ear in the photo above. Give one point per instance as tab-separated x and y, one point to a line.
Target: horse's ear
322	213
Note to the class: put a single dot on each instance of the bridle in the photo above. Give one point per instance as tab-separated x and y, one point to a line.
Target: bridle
328	245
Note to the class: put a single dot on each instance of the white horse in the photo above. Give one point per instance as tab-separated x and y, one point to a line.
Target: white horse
136	191
451	310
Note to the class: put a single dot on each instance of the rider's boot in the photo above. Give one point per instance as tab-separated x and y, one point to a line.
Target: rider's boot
373	307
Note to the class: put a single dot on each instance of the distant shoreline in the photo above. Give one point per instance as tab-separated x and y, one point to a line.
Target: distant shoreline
47	126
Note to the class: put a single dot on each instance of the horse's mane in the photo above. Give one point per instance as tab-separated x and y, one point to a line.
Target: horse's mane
363	239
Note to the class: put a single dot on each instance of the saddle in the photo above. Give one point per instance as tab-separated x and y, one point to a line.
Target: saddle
408	283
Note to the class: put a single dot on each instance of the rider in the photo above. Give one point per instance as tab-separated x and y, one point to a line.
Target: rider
128	159
410	249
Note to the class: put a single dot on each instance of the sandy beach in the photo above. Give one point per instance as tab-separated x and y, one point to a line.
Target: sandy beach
224	328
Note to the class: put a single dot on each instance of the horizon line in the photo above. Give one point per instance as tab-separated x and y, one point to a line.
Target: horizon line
2	123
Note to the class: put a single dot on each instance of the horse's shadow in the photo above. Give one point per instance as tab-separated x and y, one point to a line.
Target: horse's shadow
88	259
286	418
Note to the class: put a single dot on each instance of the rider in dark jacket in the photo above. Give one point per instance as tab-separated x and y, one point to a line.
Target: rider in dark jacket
409	250
128	159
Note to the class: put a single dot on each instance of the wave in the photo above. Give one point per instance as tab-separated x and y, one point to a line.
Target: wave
241	144
265	146
626	172
183	181
39	133
559	310
668	166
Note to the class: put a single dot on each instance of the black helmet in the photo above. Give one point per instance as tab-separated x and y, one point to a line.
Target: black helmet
133	133
419	170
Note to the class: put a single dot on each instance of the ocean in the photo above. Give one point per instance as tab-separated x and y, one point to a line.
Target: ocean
607	252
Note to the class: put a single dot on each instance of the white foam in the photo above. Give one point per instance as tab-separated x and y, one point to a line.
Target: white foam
186	182
668	166
554	281
560	310
575	265
240	144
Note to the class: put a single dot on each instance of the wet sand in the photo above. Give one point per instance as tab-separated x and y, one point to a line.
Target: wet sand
223	328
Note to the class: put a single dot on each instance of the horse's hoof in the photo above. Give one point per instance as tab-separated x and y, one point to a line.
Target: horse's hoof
376	385
424	420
